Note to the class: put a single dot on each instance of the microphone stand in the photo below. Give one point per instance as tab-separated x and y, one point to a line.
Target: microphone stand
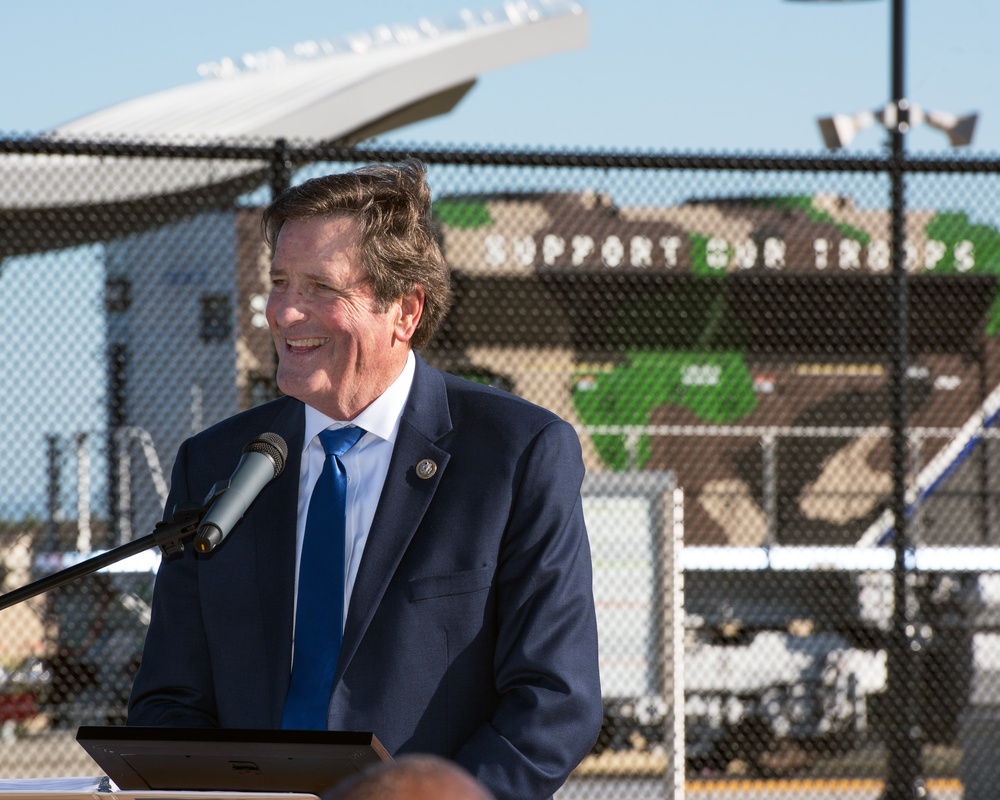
168	536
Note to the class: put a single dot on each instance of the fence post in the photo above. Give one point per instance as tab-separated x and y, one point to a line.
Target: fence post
903	779
770	477
281	168
53	505
985	503
117	416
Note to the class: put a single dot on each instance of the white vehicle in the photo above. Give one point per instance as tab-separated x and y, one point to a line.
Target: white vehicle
759	646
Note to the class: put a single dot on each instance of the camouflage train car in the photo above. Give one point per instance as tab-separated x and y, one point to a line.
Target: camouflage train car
744	345
741	343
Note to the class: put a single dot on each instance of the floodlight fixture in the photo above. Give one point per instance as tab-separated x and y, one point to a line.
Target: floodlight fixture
839	130
958	129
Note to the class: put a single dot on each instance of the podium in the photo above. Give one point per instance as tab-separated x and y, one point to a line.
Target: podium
145	760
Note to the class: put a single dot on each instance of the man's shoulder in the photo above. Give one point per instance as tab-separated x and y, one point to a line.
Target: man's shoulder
484	396
249	423
498	416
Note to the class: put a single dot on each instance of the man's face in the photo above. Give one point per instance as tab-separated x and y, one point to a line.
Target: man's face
335	351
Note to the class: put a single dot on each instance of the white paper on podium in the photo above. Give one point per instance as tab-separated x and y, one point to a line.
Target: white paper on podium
88	783
117	794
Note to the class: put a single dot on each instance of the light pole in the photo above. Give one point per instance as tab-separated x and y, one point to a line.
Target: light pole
903	750
904	780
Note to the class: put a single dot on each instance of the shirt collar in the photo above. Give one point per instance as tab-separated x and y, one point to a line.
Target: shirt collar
381	417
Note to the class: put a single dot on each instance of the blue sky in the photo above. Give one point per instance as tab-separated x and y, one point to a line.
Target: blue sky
683	75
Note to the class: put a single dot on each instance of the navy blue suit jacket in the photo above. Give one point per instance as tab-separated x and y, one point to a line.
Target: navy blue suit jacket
471	630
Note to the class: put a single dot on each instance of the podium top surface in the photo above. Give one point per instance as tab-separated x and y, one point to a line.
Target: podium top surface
183	760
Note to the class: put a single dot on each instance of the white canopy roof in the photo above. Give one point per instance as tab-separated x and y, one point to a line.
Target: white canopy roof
318	92
331	91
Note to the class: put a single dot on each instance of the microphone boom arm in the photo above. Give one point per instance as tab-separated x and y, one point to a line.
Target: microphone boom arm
168	536
263	460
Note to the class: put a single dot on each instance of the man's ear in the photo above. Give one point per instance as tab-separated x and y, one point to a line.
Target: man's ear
411	307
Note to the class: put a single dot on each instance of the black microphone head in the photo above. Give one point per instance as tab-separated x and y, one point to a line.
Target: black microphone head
272	446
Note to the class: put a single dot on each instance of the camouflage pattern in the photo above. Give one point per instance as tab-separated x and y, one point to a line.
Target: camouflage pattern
751	334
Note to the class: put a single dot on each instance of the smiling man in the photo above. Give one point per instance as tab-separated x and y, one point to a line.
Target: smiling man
456	616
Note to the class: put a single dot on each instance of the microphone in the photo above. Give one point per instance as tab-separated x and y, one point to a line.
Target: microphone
263	460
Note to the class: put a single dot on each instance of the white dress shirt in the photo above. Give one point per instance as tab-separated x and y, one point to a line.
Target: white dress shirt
366	463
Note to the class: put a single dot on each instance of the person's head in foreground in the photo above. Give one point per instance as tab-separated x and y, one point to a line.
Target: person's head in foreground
412	777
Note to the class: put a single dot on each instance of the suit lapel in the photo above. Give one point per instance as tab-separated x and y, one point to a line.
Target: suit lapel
405	498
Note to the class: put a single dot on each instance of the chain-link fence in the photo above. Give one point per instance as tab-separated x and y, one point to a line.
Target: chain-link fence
760	387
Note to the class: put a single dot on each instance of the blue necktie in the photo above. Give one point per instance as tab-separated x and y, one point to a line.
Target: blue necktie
319	617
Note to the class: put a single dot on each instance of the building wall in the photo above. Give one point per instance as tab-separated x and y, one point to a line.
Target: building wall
178	327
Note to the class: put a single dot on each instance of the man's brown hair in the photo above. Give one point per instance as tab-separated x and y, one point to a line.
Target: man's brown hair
397	242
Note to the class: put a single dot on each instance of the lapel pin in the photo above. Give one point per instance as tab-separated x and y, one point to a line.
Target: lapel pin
426	469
